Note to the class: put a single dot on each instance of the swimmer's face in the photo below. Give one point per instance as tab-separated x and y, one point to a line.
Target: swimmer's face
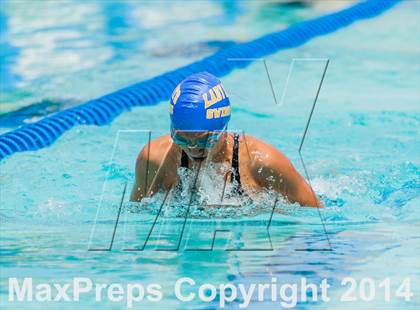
197	145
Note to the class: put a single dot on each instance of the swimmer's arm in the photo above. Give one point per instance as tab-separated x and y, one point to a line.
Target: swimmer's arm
277	172
145	168
150	174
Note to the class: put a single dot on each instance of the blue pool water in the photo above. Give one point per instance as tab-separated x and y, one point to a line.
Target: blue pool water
361	151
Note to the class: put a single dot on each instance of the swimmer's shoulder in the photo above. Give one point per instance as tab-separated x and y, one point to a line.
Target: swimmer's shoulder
152	167
259	151
157	149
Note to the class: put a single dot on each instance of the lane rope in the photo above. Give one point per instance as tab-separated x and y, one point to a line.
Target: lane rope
103	110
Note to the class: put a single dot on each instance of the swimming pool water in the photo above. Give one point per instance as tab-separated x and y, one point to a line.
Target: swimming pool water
361	152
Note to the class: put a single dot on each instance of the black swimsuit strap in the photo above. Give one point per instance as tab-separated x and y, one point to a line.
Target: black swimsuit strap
184	159
235	164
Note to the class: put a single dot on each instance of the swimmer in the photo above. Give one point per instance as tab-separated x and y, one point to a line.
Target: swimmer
199	112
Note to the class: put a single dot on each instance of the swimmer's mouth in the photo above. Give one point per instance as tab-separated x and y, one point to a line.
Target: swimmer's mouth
199	158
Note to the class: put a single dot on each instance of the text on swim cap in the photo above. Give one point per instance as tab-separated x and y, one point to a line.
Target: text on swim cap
217	112
217	93
175	95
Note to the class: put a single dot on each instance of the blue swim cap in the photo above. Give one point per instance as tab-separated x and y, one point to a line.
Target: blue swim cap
200	103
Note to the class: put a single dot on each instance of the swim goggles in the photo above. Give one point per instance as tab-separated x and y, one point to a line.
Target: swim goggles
203	143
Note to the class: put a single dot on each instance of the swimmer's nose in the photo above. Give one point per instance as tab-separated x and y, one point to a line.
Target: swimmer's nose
194	147
194	144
